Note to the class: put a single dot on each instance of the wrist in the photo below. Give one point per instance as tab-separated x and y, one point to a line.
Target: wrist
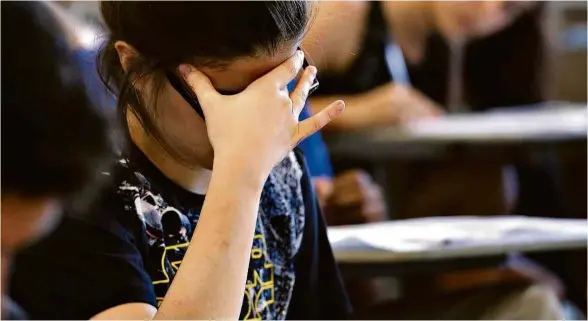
240	170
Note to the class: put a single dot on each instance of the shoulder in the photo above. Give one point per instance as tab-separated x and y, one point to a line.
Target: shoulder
335	34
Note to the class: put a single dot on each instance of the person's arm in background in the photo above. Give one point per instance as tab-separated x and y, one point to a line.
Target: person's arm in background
389	104
211	280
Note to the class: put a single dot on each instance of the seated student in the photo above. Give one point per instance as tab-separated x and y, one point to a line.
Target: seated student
360	61
38	185
131	255
54	141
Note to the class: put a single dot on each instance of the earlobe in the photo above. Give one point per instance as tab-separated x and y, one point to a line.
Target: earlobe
126	54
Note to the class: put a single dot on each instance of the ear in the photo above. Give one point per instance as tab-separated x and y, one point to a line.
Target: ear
126	54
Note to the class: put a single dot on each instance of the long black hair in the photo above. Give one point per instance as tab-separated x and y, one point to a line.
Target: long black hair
211	34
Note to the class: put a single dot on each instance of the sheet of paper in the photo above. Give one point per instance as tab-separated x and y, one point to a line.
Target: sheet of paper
430	233
500	124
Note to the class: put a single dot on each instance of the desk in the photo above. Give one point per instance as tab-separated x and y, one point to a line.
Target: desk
397	248
502	135
505	126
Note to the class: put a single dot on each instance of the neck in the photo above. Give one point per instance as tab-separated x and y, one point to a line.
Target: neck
410	24
193	179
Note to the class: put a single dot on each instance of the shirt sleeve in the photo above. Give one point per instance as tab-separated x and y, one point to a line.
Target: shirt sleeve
80	270
319	292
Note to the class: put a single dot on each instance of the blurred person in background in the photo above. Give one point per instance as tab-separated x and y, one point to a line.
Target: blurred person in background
369	52
54	140
128	250
356	45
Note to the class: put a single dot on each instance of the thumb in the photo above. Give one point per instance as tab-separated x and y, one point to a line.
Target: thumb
318	121
199	83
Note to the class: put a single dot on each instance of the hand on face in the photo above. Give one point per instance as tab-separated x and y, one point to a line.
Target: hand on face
354	199
260	125
399	104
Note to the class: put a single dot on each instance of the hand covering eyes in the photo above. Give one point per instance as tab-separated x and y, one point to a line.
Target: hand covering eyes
190	97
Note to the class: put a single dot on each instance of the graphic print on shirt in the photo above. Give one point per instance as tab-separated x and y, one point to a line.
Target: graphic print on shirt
278	235
260	284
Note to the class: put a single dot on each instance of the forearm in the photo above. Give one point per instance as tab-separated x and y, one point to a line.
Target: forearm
358	110
212	277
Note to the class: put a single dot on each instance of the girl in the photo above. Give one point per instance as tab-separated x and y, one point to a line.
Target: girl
121	261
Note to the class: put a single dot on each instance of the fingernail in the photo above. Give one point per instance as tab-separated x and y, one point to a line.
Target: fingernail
340	106
313	71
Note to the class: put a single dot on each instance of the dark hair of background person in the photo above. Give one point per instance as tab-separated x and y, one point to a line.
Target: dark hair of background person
54	140
167	34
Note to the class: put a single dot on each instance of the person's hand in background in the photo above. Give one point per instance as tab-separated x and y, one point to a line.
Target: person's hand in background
399	104
323	187
353	198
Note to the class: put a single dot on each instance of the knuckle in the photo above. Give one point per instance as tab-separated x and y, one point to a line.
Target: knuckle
303	95
317	124
285	100
293	70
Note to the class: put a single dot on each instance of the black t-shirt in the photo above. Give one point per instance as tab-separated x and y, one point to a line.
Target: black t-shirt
131	244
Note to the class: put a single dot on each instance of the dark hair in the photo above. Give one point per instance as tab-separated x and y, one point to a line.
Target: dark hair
211	34
54	140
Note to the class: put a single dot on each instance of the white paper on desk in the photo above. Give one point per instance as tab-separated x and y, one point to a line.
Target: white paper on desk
429	233
502	123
